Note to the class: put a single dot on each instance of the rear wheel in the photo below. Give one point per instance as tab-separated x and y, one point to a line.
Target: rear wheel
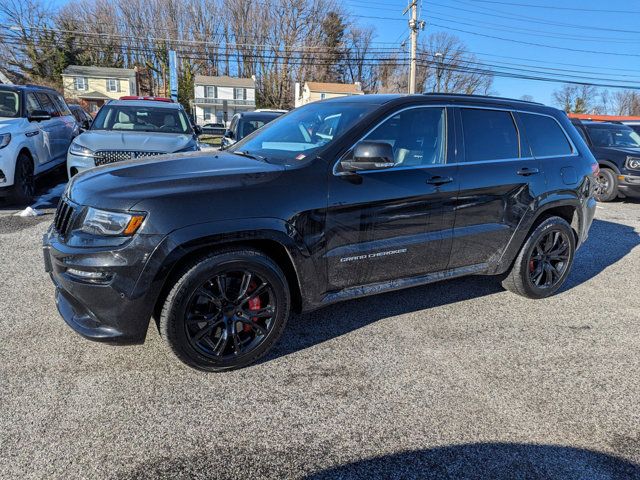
606	185
226	310
544	262
23	181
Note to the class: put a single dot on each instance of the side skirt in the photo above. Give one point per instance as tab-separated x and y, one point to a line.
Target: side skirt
399	284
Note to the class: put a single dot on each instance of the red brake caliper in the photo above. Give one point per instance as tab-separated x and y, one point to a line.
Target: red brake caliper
531	266
254	304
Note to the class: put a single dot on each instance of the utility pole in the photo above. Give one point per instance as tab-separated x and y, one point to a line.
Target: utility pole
414	26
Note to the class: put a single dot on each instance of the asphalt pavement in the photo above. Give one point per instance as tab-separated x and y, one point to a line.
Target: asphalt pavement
459	379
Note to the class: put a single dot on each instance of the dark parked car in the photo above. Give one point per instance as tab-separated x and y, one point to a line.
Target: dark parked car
213	129
244	123
336	200
617	150
82	117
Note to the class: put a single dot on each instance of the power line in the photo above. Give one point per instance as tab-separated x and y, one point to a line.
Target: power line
555	7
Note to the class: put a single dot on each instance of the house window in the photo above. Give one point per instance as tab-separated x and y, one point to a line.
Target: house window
210	91
208	114
323	96
239	93
80	83
112	85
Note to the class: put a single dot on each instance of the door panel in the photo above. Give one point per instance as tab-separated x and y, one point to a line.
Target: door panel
389	224
495	192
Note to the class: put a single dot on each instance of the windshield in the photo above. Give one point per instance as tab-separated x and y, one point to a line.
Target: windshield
614	137
141	119
300	134
9	104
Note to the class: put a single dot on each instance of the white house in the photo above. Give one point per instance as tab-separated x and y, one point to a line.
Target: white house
314	91
217	99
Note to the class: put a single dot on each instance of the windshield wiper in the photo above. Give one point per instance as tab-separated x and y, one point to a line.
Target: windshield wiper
245	153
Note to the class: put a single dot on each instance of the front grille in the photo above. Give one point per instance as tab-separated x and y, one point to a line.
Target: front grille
64	216
105	157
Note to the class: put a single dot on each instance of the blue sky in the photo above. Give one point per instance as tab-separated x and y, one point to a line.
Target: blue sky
611	28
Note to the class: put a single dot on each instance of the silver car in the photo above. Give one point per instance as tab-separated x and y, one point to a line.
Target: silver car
129	128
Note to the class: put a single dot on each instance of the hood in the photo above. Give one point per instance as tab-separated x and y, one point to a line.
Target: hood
129	140
620	150
121	185
9	125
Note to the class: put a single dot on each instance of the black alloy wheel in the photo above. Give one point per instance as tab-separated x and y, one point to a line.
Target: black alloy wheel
544	261
225	310
230	314
549	259
24	181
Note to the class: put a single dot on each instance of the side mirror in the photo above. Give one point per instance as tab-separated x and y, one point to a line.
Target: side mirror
86	124
39	115
229	134
369	155
197	129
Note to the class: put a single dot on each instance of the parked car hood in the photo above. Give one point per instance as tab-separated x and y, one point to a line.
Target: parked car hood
122	185
130	140
619	150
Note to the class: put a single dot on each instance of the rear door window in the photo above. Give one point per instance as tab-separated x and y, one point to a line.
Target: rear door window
546	137
489	135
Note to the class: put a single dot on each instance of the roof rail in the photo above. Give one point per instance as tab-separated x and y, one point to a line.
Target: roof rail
488	97
44	87
137	97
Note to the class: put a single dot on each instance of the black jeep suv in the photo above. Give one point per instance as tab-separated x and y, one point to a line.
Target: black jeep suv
335	200
616	147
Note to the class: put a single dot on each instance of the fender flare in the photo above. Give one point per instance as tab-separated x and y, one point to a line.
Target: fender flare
180	243
609	164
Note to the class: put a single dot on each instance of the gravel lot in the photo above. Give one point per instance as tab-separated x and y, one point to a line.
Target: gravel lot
456	380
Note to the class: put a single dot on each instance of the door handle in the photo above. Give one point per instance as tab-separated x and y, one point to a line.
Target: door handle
525	172
438	180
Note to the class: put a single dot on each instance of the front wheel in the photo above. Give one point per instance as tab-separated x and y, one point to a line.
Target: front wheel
544	261
24	181
606	185
226	310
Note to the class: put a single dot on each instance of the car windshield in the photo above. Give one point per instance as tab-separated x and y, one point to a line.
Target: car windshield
9	104
614	137
141	119
247	126
298	135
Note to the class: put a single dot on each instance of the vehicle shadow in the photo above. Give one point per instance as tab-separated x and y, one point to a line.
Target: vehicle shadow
49	187
608	243
476	461
496	461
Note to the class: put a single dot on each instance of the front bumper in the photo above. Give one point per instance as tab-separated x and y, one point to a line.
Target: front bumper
629	185
115	308
77	164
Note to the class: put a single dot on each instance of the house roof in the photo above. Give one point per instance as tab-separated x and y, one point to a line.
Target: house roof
99	72
91	95
334	87
225	81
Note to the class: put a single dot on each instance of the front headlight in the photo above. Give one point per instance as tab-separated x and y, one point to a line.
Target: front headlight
77	149
5	138
633	163
102	222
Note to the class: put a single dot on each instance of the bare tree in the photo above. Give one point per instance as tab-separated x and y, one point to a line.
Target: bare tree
577	98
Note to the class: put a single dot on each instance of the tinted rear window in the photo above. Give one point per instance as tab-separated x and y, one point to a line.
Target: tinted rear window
489	135
545	136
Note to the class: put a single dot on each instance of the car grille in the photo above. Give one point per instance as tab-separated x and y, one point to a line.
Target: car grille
64	217
105	157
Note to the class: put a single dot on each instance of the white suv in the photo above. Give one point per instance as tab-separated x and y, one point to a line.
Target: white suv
36	129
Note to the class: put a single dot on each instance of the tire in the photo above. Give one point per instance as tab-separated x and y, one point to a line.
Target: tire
529	272
204	320
23	182
607	185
